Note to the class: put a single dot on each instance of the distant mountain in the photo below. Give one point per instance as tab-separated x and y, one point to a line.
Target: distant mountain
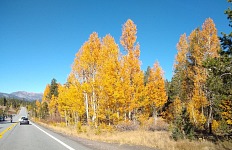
23	95
6	95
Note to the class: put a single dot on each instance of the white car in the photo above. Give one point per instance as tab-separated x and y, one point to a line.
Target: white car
24	120
22	117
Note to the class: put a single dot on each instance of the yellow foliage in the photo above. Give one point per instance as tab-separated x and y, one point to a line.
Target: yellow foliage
128	37
181	57
156	95
226	106
177	106
210	38
37	103
196	117
131	73
202	44
52	105
215	125
201	120
38	106
46	94
192	112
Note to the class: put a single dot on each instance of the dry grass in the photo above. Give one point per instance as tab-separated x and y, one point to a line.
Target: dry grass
157	139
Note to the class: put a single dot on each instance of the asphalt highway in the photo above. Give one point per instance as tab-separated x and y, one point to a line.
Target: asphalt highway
14	136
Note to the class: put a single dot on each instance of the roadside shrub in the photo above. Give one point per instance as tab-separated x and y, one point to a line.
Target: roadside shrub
159	126
190	134
62	124
79	128
143	120
110	129
177	134
127	126
223	127
182	127
52	123
98	131
84	129
215	125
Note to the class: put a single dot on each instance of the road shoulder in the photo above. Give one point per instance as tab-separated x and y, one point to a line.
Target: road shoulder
98	145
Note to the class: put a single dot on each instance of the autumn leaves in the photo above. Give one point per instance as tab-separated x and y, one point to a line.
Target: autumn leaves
106	86
193	52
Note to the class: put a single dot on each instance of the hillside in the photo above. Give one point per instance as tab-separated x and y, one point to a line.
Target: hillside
30	96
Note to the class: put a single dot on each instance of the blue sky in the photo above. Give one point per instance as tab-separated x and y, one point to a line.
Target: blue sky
39	39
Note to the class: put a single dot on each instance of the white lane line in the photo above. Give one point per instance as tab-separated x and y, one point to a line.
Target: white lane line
65	145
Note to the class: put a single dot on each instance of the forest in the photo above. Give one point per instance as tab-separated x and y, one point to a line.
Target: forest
108	88
9	106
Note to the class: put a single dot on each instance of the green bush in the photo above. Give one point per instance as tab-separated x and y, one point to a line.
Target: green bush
177	134
183	128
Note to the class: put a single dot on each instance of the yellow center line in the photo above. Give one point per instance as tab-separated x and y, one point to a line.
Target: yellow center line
7	129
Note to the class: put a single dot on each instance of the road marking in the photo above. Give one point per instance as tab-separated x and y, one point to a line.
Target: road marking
65	145
7	129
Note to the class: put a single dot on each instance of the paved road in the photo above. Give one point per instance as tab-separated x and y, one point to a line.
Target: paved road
33	136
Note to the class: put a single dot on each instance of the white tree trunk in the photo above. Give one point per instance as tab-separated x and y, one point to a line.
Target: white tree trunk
86	107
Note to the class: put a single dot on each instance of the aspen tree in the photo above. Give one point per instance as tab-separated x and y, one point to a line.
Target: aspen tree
203	44
63	103
155	90
132	75
110	86
75	98
85	67
46	94
38	108
197	75
53	107
212	46
180	67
